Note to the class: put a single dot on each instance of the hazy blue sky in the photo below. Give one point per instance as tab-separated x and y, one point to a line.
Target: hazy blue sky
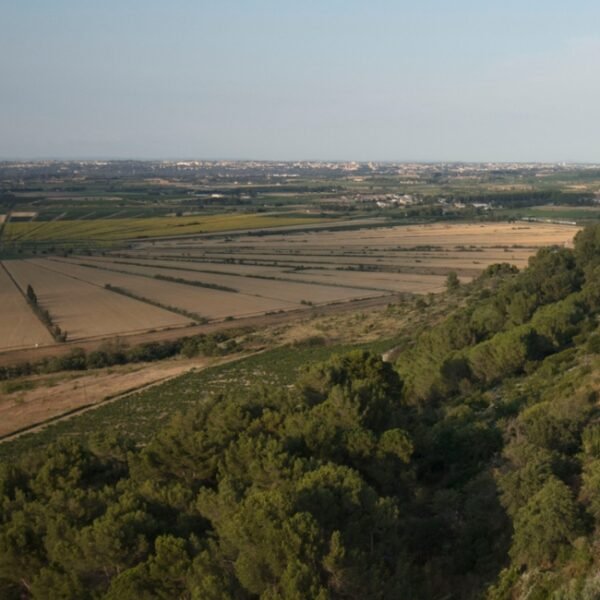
376	80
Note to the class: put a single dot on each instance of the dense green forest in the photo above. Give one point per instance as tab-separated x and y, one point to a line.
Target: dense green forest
468	469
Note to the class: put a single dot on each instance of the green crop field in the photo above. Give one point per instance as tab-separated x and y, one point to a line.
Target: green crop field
138	416
580	214
120	229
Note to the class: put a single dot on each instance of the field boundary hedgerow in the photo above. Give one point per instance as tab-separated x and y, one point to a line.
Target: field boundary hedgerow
174	309
224	273
210	286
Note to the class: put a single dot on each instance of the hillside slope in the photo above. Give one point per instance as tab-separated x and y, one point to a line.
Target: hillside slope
469	469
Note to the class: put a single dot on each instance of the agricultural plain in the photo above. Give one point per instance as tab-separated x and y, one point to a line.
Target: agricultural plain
482	425
205	303
106	230
259	287
414	259
171	283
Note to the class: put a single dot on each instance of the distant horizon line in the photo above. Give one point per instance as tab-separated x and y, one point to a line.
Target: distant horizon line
294	160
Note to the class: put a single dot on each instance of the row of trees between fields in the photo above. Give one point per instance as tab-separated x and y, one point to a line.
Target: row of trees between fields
44	315
118	352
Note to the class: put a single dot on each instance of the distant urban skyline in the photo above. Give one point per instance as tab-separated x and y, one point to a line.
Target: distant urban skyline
325	81
189	159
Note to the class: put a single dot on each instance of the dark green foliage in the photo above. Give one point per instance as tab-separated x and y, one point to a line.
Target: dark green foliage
521	307
553	274
520	319
590	439
216	344
237	470
558	323
54	583
546	525
593	345
44	315
452	281
530	469
545	429
587	247
162	575
212	286
116	352
31	295
370	387
498	270
180	311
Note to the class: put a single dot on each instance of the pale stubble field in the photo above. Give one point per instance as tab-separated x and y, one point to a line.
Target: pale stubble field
272	273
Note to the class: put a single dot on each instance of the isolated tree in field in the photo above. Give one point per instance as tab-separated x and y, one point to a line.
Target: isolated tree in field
31	295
